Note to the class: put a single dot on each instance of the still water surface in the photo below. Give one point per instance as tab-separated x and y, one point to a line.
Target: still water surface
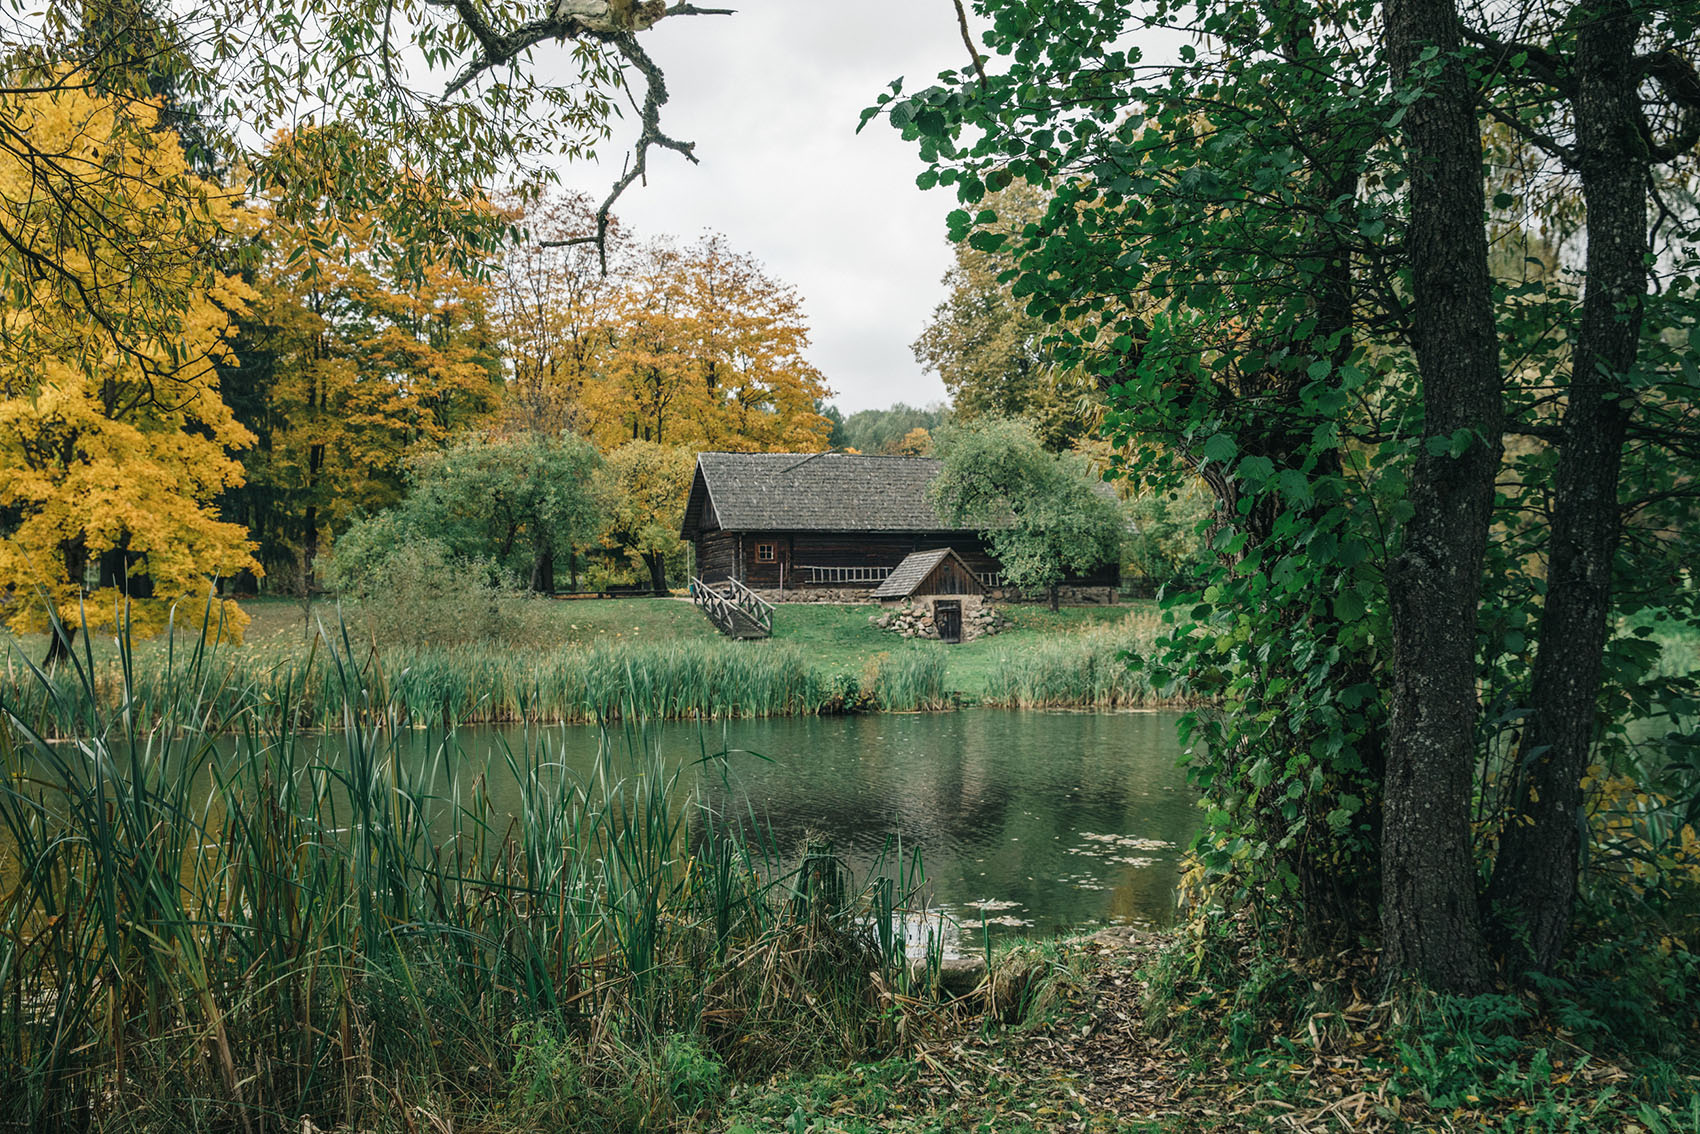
1032	821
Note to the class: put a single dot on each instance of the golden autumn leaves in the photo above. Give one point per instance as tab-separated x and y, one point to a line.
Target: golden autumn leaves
145	300
114	439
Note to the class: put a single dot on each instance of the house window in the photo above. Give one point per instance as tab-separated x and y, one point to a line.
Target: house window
765	553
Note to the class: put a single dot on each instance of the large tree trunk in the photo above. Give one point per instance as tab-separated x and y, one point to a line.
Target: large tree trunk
657	572
1534	882
309	551
543	571
1430	927
60	636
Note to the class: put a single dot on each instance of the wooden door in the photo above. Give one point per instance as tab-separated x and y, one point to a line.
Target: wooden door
947	617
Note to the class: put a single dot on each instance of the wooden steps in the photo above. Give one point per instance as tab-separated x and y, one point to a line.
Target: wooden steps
734	609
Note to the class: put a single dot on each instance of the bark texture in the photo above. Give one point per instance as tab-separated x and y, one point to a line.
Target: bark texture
1534	882
1430	926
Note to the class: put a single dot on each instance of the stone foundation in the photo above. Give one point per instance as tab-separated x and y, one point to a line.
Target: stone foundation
913	618
862	595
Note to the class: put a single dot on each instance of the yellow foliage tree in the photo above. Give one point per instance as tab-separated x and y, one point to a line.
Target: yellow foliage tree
555	309
114	437
706	351
353	369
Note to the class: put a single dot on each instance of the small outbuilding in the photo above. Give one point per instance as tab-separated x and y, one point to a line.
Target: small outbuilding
939	584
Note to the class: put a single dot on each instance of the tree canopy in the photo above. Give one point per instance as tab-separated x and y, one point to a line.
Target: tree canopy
114	437
1043	514
1281	300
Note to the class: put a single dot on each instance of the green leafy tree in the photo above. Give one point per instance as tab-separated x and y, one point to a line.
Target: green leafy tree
521	503
1198	258
883	430
1043	514
643	487
992	354
1230	249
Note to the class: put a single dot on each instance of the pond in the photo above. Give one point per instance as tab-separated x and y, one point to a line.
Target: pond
1025	822
1030	822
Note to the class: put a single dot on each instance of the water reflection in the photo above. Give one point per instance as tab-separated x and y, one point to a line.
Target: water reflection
1026	822
1031	821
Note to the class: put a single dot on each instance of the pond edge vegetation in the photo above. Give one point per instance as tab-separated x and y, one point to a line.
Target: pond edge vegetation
595	683
309	928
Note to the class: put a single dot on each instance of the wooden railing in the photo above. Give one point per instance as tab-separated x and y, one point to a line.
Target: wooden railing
724	606
756	608
845	574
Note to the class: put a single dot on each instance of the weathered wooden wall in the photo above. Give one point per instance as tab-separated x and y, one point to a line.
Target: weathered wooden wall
796	550
716	556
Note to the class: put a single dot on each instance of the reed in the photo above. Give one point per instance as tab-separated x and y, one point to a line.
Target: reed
911	680
244	931
1086	669
465	684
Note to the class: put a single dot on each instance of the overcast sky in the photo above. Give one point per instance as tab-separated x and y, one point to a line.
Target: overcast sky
771	97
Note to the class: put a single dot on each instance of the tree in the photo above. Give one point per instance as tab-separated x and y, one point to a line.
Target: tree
991	353
1042	514
114	439
352	367
1247	192
556	310
706	350
642	487
1430	927
883	430
1206	258
443	92
521	503
1618	71
916	443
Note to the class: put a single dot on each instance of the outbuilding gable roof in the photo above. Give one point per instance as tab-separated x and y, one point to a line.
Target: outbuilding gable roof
913	571
844	492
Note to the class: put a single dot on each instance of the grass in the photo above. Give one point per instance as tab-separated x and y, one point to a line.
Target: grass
300	930
598	661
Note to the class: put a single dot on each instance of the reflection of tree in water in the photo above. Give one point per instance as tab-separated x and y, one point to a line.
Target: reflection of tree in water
997	802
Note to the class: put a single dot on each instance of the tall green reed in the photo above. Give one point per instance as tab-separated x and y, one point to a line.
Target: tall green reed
209	917
1087	669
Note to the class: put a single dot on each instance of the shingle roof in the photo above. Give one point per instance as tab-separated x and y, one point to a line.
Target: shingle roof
846	492
913	571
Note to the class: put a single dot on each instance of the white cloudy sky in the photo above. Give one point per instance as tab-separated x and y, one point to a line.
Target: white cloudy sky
771	96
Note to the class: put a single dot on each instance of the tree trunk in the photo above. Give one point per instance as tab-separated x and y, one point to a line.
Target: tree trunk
1533	891
1430	926
543	572
60	635
657	572
309	549
59	648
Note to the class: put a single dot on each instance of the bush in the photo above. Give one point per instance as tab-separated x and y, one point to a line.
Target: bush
414	592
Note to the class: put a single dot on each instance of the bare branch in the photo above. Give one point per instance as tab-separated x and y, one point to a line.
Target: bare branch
1542	142
1680	83
1547	65
650	134
968	42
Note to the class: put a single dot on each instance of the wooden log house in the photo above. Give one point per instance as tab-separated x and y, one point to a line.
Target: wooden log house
812	525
